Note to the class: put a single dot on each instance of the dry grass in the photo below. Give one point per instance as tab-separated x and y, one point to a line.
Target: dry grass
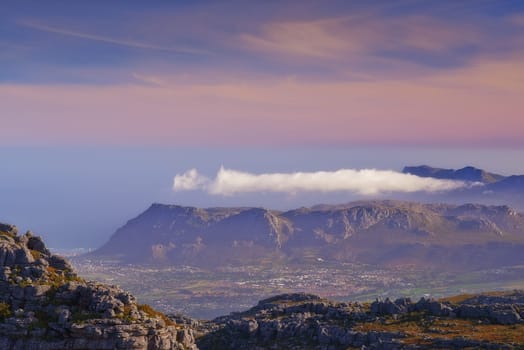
8	234
155	314
5	310
36	254
425	330
457	299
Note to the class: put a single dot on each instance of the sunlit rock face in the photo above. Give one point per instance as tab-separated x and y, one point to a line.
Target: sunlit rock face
44	305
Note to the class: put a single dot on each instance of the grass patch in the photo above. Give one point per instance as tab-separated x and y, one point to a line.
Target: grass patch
8	234
5	310
424	330
57	278
457	299
148	310
126	315
35	253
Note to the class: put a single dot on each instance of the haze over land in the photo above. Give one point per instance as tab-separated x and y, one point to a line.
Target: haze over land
99	115
207	262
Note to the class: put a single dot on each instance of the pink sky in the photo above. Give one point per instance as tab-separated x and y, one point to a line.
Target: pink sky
362	76
481	103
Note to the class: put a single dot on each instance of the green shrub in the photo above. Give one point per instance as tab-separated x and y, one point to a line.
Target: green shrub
126	315
5	310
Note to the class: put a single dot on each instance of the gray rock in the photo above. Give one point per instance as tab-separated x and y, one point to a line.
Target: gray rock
90	315
387	307
59	263
36	291
64	315
23	256
506	315
36	243
5	273
10	229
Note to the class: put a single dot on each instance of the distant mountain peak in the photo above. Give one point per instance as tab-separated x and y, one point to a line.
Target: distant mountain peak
468	173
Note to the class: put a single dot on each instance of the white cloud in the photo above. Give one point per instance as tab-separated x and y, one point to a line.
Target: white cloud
363	182
190	180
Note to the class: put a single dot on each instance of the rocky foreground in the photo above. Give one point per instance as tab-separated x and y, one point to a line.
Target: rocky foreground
302	321
44	305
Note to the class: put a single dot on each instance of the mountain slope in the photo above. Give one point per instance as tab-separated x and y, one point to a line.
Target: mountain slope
510	183
482	186
384	231
469	173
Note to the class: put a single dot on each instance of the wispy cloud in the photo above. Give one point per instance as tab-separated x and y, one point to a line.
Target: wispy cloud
149	79
339	37
275	110
364	182
110	40
304	38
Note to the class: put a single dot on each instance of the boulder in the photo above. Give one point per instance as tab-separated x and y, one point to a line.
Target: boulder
36	243
59	263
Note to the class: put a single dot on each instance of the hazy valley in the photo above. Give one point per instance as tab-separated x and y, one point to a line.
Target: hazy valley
208	262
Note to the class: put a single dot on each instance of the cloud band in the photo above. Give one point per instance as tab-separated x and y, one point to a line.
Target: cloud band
364	182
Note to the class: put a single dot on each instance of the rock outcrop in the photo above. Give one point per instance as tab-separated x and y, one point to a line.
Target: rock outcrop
44	305
299	321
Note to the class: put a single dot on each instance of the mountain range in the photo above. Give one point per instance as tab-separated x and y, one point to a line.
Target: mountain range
467	173
375	232
490	187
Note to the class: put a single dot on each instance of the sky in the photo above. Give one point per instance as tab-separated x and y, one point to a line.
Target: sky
103	103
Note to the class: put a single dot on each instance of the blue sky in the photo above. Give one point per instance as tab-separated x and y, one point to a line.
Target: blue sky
103	102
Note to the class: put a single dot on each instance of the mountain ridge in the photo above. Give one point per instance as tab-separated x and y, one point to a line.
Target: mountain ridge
190	235
468	173
491	182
